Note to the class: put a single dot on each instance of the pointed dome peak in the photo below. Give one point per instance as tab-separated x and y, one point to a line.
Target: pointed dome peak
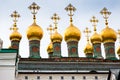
15	34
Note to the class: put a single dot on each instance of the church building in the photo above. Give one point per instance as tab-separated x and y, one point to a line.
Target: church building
94	66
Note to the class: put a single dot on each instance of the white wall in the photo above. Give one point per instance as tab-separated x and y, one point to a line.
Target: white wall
7	66
58	76
7	73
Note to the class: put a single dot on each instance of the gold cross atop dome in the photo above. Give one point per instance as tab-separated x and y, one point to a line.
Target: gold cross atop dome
71	9
50	29
55	19
87	31
56	37
15	34
105	14
94	22
34	8
34	31
15	17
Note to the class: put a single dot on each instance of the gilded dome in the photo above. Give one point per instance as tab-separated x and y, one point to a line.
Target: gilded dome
72	33
50	48
96	38
56	37
118	50
34	32
108	35
15	36
88	48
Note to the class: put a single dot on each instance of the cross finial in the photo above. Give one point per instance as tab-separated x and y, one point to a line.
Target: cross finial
94	22
71	9
119	35
34	8
55	19
87	31
50	29
105	14
15	17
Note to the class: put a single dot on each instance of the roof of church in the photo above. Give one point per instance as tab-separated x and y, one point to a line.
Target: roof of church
8	51
74	65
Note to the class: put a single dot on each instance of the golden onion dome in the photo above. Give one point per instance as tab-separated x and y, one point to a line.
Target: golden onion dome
108	35
96	38
56	37
88	49
50	48
72	33
15	36
34	32
118	50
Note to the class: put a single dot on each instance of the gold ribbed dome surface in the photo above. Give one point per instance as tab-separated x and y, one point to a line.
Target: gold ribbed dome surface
50	48
56	37
96	38
118	50
15	36
108	35
72	33
34	32
88	48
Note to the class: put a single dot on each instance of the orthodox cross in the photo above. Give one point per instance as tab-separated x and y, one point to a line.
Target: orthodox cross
34	8
15	17
94	22
87	31
105	14
71	9
55	19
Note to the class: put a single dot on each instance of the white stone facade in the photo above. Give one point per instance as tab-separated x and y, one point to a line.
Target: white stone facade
7	66
65	76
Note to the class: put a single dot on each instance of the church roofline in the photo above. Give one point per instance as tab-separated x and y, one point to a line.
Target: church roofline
67	59
8	50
